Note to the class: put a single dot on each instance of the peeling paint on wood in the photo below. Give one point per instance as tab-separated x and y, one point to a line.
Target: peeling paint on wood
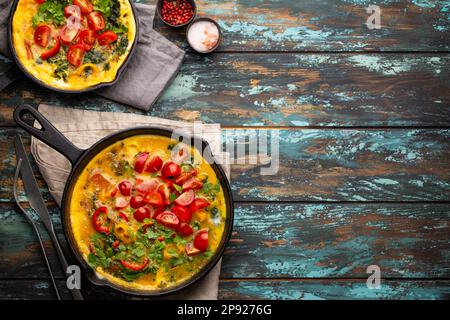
285	90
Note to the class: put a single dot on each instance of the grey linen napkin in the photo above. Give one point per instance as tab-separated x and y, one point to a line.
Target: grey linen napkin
153	66
84	128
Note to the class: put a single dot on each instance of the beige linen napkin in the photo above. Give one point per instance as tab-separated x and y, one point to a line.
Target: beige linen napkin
84	128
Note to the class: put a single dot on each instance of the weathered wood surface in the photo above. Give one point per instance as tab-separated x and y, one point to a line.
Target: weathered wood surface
310	25
347	289
291	241
325	165
367	130
285	90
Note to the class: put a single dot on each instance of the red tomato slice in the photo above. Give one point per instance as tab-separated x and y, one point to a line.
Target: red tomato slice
171	170
198	204
201	240
107	37
75	55
87	39
185	176
42	35
123	216
40	1
137	202
163	189
183	213
148	186
154	164
185	229
186	198
101	221
168	219
192	183
133	266
67	35
72	10
96	21
153	198
53	51
158	211
141	214
86	6
120	203
191	250
139	163
125	188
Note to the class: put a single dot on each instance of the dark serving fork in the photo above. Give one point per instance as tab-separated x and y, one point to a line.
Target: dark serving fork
37	203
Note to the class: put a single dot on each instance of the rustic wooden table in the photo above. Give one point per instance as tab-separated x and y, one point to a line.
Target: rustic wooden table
364	122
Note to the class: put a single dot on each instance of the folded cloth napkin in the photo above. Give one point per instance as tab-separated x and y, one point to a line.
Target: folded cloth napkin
152	67
84	128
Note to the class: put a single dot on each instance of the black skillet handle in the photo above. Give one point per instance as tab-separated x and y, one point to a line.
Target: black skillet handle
47	133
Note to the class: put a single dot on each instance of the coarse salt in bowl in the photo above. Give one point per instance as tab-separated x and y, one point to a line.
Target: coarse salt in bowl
203	35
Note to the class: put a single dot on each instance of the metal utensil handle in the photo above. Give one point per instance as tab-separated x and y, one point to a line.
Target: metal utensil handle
76	293
47	133
36	230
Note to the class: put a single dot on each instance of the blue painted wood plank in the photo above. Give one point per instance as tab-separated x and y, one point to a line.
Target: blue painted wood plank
285	90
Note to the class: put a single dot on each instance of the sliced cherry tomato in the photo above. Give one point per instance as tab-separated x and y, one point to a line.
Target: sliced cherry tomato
139	163
153	198
191	250
141	214
96	21
123	216
133	266
72	10
198	204
75	55
171	170
107	37
163	189
201	240
179	154
40	1
86	6
168	219
185	176
100	219
87	39
158	211
183	213
42	35
185	229
137	202
192	183
53	51
186	198
121	202
68	35
154	164
125	188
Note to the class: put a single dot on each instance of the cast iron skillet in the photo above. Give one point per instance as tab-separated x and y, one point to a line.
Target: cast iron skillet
101	84
80	158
